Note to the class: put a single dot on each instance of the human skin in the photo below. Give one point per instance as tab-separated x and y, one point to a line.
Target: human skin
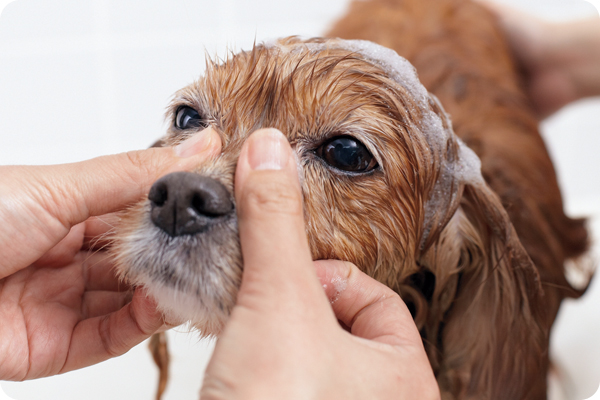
283	340
62	308
561	60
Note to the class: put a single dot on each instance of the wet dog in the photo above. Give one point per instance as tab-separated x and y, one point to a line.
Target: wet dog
387	185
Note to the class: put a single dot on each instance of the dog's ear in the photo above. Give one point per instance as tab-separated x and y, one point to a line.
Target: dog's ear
491	338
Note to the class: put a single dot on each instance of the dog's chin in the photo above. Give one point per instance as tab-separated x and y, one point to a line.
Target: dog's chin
193	278
180	307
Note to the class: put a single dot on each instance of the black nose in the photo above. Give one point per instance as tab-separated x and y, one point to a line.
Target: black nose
183	203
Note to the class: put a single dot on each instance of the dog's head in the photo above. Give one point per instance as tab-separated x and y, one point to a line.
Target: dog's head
386	185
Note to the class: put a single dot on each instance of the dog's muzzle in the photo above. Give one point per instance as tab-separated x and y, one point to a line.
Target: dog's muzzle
184	203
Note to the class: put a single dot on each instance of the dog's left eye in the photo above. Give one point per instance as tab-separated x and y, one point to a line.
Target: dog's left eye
347	154
188	118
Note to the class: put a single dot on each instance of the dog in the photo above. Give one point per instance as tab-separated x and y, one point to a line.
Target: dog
467	227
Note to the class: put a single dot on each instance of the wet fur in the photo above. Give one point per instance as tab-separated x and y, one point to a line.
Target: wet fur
462	57
483	307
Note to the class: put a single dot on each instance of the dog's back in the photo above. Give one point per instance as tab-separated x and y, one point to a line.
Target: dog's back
462	58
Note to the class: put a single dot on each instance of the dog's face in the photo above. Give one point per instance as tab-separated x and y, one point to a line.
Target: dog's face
381	172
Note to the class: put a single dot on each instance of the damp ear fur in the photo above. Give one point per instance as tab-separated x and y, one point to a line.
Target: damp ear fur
481	324
490	294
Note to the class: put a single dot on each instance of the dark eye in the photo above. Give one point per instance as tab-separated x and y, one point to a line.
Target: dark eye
188	118
347	154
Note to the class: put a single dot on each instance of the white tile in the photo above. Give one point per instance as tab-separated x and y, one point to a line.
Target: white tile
573	141
145	80
41	18
160	15
48	100
555	10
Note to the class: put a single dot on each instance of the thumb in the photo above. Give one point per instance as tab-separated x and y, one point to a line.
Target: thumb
277	261
40	204
369	308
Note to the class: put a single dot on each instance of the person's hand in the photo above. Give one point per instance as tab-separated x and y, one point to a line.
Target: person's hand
283	340
61	306
561	60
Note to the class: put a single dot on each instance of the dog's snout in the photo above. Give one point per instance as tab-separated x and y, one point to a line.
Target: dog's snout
184	203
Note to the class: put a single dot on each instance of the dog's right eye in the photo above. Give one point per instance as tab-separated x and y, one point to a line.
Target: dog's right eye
188	118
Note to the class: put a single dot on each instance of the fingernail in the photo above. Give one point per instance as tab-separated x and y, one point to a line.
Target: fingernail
268	149
195	144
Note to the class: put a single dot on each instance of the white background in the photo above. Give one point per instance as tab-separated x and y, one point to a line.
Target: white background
82	78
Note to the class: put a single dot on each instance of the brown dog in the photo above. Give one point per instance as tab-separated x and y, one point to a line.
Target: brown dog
387	185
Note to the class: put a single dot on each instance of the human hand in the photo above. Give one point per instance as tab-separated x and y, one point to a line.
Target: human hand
283	340
61	306
561	60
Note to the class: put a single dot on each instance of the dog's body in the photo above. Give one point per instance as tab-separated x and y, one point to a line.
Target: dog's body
435	231
461	57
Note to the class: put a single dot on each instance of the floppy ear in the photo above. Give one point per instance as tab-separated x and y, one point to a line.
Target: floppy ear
486	312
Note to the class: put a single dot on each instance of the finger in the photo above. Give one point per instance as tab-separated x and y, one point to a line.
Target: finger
51	199
99	231
64	251
97	303
275	249
100	274
124	178
97	339
369	308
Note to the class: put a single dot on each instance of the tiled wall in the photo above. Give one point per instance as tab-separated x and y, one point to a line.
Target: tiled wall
81	78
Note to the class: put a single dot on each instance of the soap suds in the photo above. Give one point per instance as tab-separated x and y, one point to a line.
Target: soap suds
453	172
339	285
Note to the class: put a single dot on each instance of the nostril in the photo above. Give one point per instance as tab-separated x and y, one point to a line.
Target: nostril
199	205
159	194
211	200
184	203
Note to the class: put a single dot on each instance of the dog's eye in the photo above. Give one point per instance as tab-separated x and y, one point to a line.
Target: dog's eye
188	118
347	154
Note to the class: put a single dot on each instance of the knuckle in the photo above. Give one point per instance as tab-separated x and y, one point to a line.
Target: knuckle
273	197
144	317
135	158
107	338
139	160
139	166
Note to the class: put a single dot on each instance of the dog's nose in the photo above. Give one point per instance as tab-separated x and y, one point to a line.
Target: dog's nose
184	203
